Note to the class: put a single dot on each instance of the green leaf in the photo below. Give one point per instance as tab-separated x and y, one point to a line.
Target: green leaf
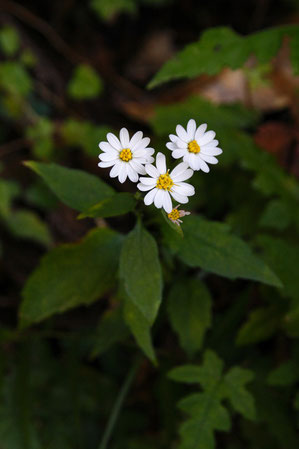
75	188
84	134
261	325
41	136
8	191
9	40
85	83
241	400
283	257
111	329
222	47
140	272
210	246
118	204
189	309
106	9
14	78
140	328
27	225
71	275
285	374
276	215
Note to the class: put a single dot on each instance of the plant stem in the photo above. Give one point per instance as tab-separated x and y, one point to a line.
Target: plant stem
118	406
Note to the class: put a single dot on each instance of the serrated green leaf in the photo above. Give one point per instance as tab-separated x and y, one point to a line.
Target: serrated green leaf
222	47
189	309
140	328
285	374
140	272
210	246
85	83
9	40
118	204
261	325
71	275
75	188
241	400
14	78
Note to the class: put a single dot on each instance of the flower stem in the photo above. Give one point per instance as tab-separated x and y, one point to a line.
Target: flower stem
118	405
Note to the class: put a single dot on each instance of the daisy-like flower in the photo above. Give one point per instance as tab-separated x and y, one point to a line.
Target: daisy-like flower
163	185
196	146
176	214
126	156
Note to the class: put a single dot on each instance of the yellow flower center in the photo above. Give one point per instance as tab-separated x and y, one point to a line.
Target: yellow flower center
174	215
164	182
125	155
193	147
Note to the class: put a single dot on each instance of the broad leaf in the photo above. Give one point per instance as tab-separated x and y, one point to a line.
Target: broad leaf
210	246
71	275
118	204
261	325
140	272
285	374
75	188
189	309
85	83
27	225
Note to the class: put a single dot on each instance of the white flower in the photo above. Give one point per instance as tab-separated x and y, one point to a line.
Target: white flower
126	156
161	184
196	146
176	214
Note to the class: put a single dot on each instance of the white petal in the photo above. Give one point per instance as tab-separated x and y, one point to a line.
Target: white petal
171	146
176	154
133	176
105	146
184	189
109	156
143	143
139	168
113	140
124	137
182	133
203	166
212	144
161	163
115	170
122	173
200	131
180	168
183	176
149	151
135	139
148	181
167	203
106	164
182	199
173	137
211	151
209	159
140	153
206	138
143	187
159	198
193	160
152	171
191	128
149	197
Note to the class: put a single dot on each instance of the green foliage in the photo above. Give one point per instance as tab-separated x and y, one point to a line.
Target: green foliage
62	282
85	83
210	246
76	188
205	409
261	325
118	204
189	309
222	47
41	136
26	224
14	78
106	9
9	40
285	374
